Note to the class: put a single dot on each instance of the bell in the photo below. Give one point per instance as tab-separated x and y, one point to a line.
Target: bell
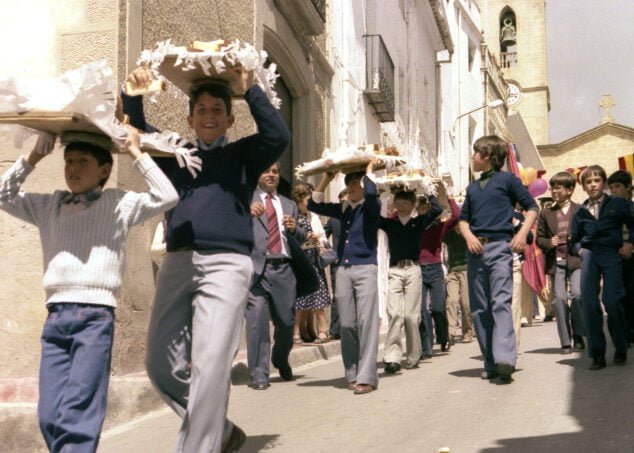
507	34
508	37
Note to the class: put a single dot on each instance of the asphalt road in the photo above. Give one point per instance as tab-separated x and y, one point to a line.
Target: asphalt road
554	404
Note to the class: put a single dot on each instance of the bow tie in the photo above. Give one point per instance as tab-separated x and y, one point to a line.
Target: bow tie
85	198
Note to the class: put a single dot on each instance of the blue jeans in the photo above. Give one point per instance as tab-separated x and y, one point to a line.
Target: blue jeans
490	276
596	263
434	282
74	374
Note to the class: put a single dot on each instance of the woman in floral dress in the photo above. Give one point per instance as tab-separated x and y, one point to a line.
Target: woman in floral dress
314	303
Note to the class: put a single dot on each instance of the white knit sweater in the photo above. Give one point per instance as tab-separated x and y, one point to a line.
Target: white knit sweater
84	250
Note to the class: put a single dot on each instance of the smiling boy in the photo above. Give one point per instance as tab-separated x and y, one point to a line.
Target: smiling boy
597	236
83	233
203	284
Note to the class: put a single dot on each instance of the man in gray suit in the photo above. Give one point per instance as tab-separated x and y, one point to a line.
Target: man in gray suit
273	290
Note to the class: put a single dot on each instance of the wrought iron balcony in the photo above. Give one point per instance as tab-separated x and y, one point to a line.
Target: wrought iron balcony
379	78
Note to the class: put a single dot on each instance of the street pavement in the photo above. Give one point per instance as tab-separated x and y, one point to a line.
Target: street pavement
554	404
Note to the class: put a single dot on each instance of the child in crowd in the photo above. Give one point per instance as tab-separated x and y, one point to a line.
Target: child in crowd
203	283
486	224
404	278
620	183
553	233
430	260
83	232
597	236
457	287
356	290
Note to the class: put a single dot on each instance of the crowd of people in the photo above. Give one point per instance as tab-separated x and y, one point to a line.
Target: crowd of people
238	249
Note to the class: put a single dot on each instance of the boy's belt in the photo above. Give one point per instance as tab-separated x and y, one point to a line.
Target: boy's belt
278	261
484	240
405	263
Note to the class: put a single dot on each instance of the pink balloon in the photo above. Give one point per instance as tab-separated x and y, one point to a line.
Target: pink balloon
538	187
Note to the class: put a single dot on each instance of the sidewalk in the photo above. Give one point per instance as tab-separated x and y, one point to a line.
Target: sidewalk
130	396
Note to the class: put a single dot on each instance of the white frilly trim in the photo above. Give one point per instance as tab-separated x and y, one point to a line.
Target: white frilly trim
422	185
234	52
90	90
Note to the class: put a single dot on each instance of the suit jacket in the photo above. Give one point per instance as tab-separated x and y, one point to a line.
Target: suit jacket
307	279
546	229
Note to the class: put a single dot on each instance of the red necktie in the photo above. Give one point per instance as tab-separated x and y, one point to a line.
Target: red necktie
275	240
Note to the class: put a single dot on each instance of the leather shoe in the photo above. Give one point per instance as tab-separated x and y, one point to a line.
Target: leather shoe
235	441
392	367
352	385
489	374
425	356
578	343
362	389
505	370
260	385
598	362
566	350
620	357
445	347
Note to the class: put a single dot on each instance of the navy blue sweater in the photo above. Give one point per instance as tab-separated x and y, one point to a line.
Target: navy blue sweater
607	230
404	240
489	211
359	226
214	209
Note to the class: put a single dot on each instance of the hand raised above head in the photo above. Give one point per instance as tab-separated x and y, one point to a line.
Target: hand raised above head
140	77
133	142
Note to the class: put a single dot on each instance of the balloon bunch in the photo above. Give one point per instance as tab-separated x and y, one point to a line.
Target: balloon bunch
532	180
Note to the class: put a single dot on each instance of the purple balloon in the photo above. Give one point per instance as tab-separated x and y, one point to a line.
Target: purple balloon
538	187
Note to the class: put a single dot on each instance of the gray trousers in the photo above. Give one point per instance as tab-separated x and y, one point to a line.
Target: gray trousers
569	317
193	336
403	312
273	293
490	275
458	298
358	303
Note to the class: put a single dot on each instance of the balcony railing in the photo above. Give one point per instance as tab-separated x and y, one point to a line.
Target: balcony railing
320	6
379	78
508	59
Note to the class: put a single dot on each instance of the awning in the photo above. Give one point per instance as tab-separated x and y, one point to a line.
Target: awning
527	153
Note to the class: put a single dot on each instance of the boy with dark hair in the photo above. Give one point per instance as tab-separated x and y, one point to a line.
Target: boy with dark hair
620	183
83	232
597	236
553	233
486	223
405	279
356	290
333	229
203	284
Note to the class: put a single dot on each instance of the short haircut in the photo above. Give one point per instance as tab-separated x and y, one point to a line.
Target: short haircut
103	156
350	177
301	191
564	179
405	195
592	170
212	88
620	177
493	147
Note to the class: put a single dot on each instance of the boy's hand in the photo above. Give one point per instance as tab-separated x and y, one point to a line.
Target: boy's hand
133	142
518	243
373	163
626	250
326	178
140	77
241	80
473	244
257	209
43	146
289	223
554	241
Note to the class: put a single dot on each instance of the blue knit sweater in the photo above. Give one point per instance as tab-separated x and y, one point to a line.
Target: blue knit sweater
213	213
359	226
489	210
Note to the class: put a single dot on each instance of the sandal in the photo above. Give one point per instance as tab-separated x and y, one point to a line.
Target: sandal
322	338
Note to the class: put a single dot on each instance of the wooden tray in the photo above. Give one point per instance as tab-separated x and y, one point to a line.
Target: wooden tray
58	122
184	79
352	165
